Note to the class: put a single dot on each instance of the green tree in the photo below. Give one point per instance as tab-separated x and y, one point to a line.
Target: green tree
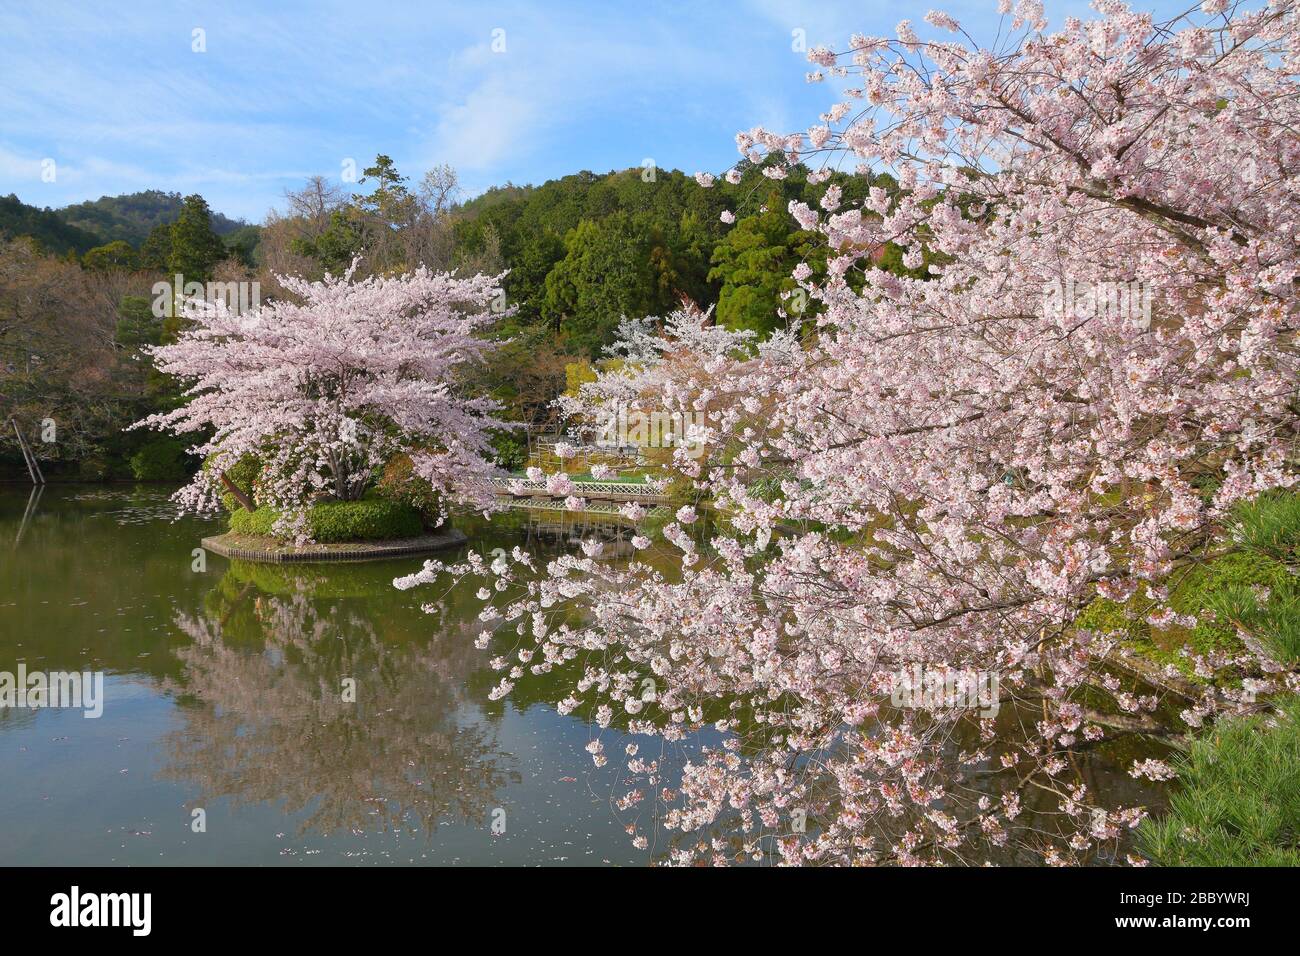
156	250
753	266
113	255
137	326
389	200
242	245
680	255
337	245
526	283
46	226
195	248
382	222
605	275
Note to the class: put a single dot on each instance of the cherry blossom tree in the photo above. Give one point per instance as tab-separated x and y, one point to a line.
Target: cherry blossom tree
323	386
949	469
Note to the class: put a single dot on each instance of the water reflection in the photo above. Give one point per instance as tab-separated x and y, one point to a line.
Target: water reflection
33	502
292	696
547	523
224	690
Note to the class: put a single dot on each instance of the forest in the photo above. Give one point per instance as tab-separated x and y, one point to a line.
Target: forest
579	255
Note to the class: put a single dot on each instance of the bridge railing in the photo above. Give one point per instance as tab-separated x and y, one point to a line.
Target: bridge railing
614	490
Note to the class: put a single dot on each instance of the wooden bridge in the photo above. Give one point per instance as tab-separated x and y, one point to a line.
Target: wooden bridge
603	510
589	490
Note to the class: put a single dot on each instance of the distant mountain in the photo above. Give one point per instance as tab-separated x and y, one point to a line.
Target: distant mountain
45	225
131	217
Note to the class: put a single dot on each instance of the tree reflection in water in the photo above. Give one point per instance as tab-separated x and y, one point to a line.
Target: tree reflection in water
266	720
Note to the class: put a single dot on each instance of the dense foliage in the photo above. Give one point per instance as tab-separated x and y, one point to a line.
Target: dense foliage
71	373
1238	802
46	226
331	522
582	253
130	218
587	251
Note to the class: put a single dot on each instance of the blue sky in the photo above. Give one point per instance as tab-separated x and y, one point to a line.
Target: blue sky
115	95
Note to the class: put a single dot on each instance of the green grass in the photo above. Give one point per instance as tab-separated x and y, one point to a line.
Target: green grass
1239	802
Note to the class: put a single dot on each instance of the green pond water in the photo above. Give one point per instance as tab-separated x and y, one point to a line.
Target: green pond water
222	692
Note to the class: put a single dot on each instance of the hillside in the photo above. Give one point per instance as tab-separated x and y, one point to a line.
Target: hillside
587	249
45	225
131	217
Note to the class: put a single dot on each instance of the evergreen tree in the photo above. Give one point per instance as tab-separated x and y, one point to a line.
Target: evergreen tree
156	251
753	266
113	255
195	248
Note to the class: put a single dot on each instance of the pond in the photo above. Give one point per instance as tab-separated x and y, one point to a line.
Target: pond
303	714
221	694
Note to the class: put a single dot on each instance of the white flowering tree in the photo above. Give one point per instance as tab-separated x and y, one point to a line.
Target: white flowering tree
949	469
324	386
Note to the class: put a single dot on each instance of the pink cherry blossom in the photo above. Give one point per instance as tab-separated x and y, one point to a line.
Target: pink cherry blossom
326	384
941	472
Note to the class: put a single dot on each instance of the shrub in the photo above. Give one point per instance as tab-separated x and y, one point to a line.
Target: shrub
1270	526
509	451
1239	804
161	459
253	522
94	467
400	483
1268	607
330	522
1271	616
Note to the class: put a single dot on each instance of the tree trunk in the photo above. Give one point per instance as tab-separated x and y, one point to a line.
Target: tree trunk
238	492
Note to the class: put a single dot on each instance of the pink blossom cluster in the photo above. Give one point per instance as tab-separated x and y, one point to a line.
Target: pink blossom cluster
326	385
946	472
